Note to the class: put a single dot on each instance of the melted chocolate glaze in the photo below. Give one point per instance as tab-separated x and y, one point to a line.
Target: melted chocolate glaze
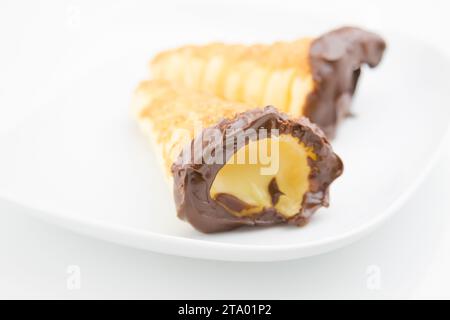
336	59
274	191
192	182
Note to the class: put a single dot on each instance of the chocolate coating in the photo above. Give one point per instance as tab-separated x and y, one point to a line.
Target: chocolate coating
192	182
274	191
336	59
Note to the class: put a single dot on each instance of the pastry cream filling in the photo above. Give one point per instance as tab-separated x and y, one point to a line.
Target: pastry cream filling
247	179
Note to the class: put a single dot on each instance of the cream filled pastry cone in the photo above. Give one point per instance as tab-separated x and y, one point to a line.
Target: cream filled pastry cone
314	77
233	164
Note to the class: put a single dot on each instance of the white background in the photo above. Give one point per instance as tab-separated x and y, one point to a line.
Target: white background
409	255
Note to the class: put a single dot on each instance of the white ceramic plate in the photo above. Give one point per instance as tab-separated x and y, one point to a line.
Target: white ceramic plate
79	160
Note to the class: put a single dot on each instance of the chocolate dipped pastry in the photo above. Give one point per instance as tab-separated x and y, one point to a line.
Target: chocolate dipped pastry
234	165
312	77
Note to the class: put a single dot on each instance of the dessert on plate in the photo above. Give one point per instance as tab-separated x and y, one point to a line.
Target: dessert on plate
242	130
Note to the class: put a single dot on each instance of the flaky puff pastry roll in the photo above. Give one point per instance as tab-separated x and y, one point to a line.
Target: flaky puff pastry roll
314	77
